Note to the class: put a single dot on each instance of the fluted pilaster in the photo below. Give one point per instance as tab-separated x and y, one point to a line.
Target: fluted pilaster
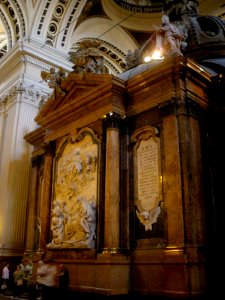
17	119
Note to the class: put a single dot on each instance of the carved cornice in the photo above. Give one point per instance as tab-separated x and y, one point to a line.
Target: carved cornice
36	62
36	137
30	51
155	73
150	82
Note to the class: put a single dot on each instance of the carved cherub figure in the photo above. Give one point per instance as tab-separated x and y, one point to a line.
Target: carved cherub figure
54	79
147	218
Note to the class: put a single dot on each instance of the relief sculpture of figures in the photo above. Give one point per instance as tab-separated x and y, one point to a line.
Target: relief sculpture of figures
73	217
59	218
88	219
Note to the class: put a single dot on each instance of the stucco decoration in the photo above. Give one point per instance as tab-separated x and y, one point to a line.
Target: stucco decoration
147	174
73	221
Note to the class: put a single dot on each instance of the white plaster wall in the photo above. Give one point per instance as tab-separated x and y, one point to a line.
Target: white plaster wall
21	90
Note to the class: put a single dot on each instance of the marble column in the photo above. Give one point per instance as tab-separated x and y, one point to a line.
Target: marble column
125	191
32	207
45	206
112	185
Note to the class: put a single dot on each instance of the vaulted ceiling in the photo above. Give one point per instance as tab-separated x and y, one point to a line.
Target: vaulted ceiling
120	25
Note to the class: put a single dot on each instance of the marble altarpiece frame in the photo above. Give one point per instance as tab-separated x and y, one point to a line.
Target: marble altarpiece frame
148	185
75	191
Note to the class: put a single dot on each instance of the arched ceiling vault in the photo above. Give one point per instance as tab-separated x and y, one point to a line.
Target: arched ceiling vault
119	25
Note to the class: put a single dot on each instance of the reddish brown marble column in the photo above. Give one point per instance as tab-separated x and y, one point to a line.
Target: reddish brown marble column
46	198
112	190
31	208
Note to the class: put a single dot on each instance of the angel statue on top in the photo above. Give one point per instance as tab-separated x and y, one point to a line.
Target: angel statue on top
170	37
87	58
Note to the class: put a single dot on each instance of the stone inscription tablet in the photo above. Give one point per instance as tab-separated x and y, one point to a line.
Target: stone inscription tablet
148	174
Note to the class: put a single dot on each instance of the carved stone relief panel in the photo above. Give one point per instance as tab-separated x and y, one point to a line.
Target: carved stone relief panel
73	218
147	176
